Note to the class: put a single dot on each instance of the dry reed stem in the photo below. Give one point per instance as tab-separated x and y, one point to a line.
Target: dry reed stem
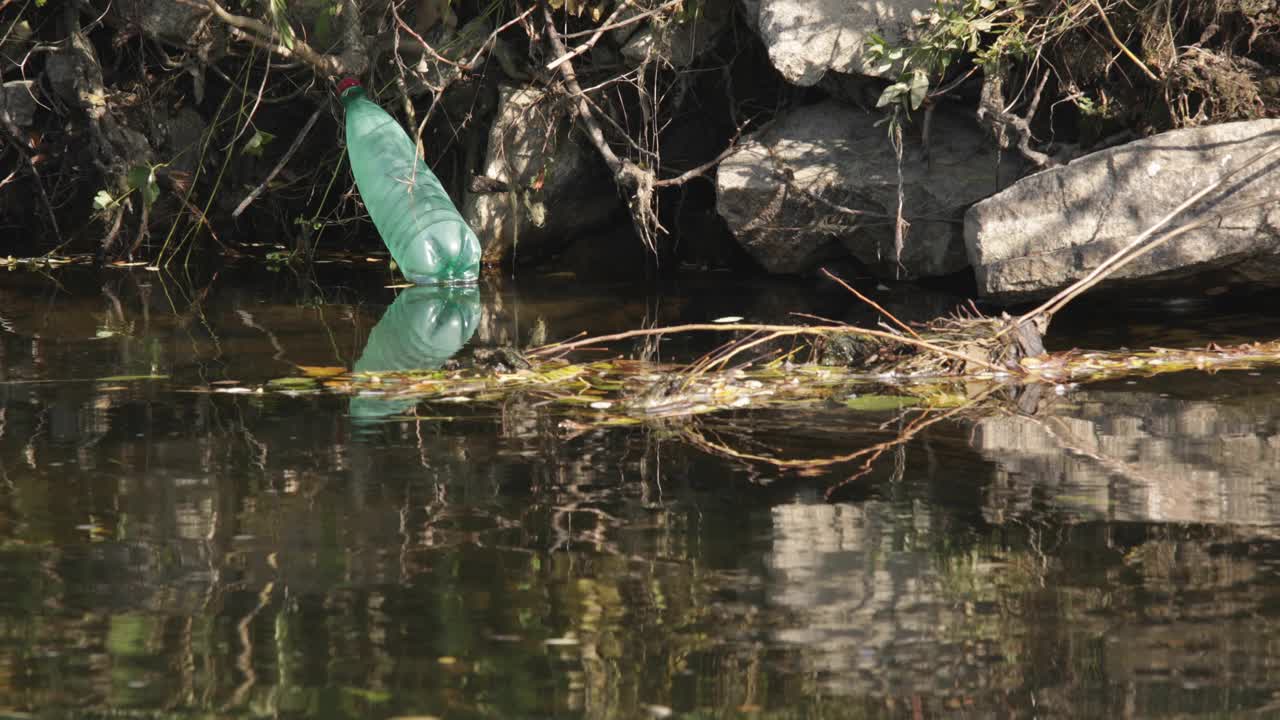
777	331
1120	44
870	302
1109	266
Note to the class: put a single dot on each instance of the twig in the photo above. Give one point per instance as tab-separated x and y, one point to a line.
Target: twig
425	45
900	224
606	26
722	359
262	89
622	23
870	302
1120	44
629	175
354	58
705	167
595	37
594	133
919	424
297	142
493	36
874	451
14	133
469	65
1182	230
179	192
780	330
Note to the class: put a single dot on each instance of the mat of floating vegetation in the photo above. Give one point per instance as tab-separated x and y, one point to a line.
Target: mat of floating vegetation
621	391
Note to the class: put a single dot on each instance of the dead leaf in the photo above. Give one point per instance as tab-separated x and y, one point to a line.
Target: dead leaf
322	371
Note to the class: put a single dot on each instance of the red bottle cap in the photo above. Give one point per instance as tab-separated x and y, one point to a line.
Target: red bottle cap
346	84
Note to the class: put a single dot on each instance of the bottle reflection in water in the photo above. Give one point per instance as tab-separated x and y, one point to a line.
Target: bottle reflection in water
422	329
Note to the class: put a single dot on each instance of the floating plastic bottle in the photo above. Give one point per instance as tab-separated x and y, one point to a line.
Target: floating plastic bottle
420	225
422	329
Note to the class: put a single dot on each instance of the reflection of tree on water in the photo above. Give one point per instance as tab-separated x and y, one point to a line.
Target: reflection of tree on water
422	329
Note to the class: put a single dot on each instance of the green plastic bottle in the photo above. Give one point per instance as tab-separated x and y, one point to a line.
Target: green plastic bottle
426	235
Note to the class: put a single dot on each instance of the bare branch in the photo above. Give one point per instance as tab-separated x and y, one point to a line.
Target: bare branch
297	142
607	25
354	59
638	181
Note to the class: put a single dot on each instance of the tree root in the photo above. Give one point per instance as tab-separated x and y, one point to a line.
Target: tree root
999	121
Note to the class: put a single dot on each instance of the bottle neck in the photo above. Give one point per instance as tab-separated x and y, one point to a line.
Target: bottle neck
353	94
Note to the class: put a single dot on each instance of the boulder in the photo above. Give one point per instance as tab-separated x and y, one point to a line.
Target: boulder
808	38
17	103
175	22
75	75
554	184
678	42
822	183
184	133
1052	228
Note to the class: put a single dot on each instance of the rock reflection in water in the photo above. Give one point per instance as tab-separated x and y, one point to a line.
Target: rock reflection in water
171	549
1141	455
422	329
872	609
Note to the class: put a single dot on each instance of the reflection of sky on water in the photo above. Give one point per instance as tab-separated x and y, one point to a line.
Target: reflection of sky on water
422	329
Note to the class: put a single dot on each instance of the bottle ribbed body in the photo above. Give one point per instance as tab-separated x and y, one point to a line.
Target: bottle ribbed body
426	235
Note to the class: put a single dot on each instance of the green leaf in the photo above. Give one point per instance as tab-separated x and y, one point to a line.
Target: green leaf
880	403
891	94
294	383
280	19
254	145
103	200
919	89
143	179
371	696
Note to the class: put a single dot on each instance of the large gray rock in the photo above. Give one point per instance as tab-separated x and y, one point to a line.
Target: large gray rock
677	42
779	193
74	73
556	186
175	22
18	103
1052	228
807	38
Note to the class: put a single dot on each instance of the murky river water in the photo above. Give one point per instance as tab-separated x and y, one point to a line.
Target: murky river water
171	551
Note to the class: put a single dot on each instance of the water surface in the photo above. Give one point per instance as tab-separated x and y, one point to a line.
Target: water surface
167	550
